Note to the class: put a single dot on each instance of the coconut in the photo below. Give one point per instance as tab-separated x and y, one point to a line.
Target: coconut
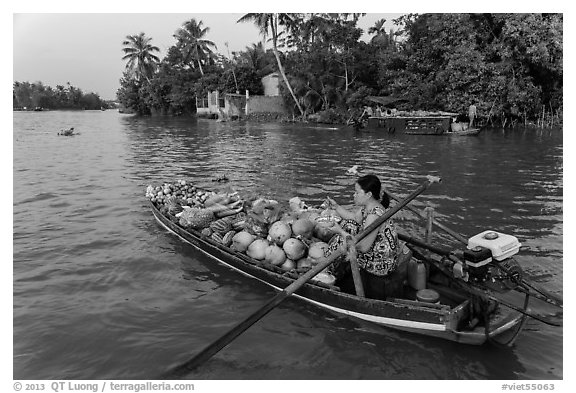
274	255
279	232
324	231
294	249
303	227
304	264
288	218
241	241
257	249
316	251
288	265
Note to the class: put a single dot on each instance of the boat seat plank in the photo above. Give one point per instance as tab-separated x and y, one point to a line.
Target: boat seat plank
417	303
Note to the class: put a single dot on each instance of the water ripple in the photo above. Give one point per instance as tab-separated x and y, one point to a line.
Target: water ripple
100	291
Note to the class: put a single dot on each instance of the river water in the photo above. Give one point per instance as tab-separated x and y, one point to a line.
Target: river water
101	291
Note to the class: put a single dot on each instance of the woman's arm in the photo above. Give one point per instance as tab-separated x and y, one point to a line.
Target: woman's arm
366	243
344	213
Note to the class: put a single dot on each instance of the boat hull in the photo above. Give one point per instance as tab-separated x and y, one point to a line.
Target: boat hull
411	316
467	132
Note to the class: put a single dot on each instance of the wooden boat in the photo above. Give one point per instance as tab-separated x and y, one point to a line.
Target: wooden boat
68	132
466	317
412	125
466	132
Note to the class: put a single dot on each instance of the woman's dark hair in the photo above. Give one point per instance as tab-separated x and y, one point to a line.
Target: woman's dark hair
371	183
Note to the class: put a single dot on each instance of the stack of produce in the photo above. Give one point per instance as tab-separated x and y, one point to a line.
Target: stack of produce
292	239
193	207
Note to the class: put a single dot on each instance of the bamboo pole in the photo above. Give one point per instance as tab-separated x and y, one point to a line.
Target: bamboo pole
429	212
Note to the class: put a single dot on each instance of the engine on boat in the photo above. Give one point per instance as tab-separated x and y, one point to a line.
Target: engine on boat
488	260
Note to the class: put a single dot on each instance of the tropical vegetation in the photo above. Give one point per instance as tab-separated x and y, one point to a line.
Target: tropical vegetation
141	61
508	65
26	95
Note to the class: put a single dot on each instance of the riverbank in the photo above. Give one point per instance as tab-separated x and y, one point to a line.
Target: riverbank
333	117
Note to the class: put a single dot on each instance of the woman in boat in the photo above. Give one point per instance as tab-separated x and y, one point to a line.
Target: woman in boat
377	253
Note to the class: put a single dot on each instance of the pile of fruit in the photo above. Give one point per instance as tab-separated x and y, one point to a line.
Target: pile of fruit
291	238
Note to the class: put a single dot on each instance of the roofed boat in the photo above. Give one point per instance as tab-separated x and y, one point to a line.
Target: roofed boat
431	124
409	122
465	307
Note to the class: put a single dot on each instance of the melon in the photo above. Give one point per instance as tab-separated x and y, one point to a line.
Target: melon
279	232
303	227
288	265
274	255
294	248
241	241
257	249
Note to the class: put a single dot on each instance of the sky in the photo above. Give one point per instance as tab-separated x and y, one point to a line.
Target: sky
62	41
85	49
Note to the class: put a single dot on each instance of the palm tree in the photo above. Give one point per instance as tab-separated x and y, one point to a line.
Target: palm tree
193	44
343	17
253	56
380	35
272	22
378	28
139	53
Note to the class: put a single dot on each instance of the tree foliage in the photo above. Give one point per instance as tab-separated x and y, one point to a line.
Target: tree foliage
506	64
139	53
192	44
37	95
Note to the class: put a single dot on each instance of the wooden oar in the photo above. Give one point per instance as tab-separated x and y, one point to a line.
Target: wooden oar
229	336
545	295
355	269
187	367
468	286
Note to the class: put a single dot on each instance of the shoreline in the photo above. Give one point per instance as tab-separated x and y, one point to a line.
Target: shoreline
280	118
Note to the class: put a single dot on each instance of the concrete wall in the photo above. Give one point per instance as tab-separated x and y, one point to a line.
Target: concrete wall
271	84
238	105
264	104
235	105
213	98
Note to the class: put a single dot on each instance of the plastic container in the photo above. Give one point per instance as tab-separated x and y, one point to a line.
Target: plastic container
416	274
325	278
501	245
428	296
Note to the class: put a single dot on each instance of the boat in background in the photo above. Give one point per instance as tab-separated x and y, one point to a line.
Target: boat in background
468	132
417	122
462	128
404	123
